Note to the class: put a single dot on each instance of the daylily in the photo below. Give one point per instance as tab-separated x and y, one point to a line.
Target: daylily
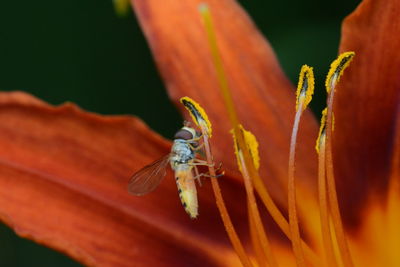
64	171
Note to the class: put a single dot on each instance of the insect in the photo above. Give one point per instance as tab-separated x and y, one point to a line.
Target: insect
184	163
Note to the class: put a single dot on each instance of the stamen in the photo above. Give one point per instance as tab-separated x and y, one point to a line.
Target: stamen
305	89
198	114
322	194
248	168
267	200
254	209
230	229
261	259
280	220
337	68
259	184
252	146
201	119
322	131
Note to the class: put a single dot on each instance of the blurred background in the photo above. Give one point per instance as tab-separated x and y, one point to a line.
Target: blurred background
81	51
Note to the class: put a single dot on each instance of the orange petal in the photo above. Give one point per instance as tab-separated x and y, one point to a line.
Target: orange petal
381	219
263	96
63	183
366	101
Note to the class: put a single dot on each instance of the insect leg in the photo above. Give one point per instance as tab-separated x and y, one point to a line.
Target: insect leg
213	176
197	175
202	163
195	147
208	175
219	167
198	147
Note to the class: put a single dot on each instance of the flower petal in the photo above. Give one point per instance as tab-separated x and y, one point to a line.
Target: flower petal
264	98
366	100
63	183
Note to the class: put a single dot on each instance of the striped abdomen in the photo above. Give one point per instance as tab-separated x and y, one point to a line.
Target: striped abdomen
187	189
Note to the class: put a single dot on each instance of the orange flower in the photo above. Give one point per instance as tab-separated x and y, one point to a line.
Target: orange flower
64	172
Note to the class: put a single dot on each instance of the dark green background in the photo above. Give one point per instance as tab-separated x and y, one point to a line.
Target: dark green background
80	51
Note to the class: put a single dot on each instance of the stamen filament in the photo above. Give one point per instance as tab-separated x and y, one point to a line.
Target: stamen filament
332	194
230	229
280	220
254	213
201	119
261	259
337	68
323	204
293	219
305	90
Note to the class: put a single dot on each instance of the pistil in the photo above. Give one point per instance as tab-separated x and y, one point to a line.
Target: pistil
246	162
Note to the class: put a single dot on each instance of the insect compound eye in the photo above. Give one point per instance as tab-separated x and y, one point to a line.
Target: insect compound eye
183	134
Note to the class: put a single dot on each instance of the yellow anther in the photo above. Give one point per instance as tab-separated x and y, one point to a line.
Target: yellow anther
198	114
122	7
252	146
337	68
305	87
322	129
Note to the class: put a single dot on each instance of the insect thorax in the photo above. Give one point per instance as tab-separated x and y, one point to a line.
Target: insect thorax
182	153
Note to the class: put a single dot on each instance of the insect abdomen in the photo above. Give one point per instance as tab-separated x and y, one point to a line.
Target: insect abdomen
187	192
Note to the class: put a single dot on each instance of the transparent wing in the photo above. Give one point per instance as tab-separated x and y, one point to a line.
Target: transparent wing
149	177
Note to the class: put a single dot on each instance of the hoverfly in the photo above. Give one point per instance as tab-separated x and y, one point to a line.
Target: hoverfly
184	163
